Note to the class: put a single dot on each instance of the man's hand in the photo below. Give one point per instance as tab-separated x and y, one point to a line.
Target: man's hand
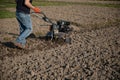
37	10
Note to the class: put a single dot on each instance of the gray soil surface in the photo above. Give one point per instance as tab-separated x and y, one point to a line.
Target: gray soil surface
94	53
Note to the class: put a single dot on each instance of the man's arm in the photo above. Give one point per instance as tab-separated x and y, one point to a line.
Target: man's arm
28	4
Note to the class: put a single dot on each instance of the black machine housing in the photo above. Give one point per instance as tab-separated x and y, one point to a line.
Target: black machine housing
59	30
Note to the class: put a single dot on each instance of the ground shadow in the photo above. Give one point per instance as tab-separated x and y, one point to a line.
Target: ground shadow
8	44
32	35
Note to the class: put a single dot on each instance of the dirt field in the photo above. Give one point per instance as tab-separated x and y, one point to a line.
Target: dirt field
94	53
93	1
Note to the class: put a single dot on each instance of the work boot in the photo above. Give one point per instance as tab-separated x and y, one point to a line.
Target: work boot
19	45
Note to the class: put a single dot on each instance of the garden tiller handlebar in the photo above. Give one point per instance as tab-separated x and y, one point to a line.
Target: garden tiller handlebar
44	17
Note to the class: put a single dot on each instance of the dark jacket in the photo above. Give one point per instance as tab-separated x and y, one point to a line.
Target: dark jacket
21	7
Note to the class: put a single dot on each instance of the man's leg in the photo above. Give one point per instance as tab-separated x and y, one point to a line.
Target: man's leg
26	22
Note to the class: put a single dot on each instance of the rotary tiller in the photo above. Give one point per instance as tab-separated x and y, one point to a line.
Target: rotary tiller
58	30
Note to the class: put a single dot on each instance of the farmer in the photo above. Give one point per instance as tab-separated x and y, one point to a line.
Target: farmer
23	17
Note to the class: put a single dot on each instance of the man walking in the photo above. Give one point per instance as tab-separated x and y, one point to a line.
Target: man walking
23	17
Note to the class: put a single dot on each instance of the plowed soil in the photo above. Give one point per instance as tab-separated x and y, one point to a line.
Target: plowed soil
94	53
